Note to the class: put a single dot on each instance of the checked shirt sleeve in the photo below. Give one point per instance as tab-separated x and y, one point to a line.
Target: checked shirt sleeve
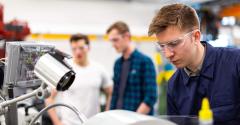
150	85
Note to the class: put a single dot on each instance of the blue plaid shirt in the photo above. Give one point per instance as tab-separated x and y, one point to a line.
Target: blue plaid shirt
141	83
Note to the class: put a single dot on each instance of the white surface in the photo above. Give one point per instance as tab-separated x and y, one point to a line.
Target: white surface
121	117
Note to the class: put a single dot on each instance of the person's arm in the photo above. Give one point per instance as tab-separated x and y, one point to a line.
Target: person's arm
171	107
149	87
108	93
171	104
52	112
113	99
107	87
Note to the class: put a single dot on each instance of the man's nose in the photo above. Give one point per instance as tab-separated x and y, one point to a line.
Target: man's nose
78	51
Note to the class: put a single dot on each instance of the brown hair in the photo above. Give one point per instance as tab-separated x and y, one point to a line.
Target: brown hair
120	26
180	15
76	37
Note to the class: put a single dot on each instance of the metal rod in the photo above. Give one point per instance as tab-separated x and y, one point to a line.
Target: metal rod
20	98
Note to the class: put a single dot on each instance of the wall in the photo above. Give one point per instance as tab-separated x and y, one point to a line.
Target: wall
71	16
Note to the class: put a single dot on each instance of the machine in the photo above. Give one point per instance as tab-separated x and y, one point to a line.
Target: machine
30	68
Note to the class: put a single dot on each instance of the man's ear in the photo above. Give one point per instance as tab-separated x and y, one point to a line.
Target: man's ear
197	36
127	34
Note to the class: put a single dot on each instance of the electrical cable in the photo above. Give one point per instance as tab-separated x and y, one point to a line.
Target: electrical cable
80	115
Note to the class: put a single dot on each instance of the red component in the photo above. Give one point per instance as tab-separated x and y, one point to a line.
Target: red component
15	30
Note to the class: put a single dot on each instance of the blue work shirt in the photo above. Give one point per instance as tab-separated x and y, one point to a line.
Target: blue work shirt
141	86
219	81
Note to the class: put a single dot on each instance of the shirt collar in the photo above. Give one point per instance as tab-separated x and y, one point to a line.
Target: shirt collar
191	73
133	54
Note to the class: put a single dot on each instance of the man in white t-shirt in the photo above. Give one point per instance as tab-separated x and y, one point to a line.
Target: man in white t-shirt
85	90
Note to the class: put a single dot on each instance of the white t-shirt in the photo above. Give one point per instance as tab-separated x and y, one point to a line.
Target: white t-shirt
84	92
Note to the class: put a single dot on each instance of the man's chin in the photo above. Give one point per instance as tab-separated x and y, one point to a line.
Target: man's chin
178	65
78	60
118	51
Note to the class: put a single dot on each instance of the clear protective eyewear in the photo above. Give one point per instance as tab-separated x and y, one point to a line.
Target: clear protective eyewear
81	48
171	45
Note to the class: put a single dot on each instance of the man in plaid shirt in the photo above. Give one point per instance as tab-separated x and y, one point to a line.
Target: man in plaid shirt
134	74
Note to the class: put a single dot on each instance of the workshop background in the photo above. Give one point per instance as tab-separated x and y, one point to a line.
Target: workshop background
53	21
